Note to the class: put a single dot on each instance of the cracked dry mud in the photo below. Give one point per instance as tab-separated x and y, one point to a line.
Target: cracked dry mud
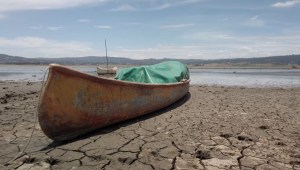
211	128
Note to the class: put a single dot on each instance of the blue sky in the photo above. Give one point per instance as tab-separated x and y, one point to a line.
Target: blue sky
139	29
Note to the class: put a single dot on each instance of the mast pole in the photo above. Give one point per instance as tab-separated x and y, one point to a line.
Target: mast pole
106	57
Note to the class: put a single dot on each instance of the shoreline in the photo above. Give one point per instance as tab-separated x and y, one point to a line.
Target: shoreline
190	66
215	127
191	85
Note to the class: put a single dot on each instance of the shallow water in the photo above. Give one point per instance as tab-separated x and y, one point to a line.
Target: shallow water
247	77
33	72
223	77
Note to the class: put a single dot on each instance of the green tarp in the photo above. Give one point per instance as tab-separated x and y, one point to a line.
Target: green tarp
165	72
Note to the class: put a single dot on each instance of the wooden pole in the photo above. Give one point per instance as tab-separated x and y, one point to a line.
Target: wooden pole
106	57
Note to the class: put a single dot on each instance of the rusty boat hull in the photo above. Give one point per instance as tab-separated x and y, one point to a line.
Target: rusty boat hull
73	103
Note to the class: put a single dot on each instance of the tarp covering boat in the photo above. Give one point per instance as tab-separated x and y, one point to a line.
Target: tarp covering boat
165	72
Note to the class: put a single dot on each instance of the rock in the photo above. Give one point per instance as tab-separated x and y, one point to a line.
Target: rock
187	164
220	163
252	162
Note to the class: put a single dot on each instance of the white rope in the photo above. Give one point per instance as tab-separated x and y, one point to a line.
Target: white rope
33	129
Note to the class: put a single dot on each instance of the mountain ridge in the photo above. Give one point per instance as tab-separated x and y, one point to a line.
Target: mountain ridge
283	60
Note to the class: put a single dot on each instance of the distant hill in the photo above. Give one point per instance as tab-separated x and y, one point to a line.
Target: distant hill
6	59
280	60
287	59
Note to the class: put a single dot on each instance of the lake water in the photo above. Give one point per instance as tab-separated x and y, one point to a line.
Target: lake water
247	77
224	77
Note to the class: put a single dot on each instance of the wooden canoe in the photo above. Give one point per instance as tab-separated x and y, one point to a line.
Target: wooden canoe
73	103
102	71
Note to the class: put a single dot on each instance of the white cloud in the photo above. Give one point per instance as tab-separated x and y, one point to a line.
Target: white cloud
51	28
253	47
255	23
208	36
55	28
125	7
222	45
216	45
24	42
40	47
131	5
286	4
153	5
207	46
163	6
177	26
11	5
254	18
83	20
174	3
103	27
2	16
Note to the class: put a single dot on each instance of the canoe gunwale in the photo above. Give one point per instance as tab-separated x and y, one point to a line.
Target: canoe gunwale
65	70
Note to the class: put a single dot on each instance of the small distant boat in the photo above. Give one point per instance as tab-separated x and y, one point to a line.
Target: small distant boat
73	103
102	71
295	67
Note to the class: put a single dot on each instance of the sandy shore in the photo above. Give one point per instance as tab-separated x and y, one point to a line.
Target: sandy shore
211	128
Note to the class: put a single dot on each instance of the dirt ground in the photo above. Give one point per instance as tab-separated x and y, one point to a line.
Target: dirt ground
210	128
